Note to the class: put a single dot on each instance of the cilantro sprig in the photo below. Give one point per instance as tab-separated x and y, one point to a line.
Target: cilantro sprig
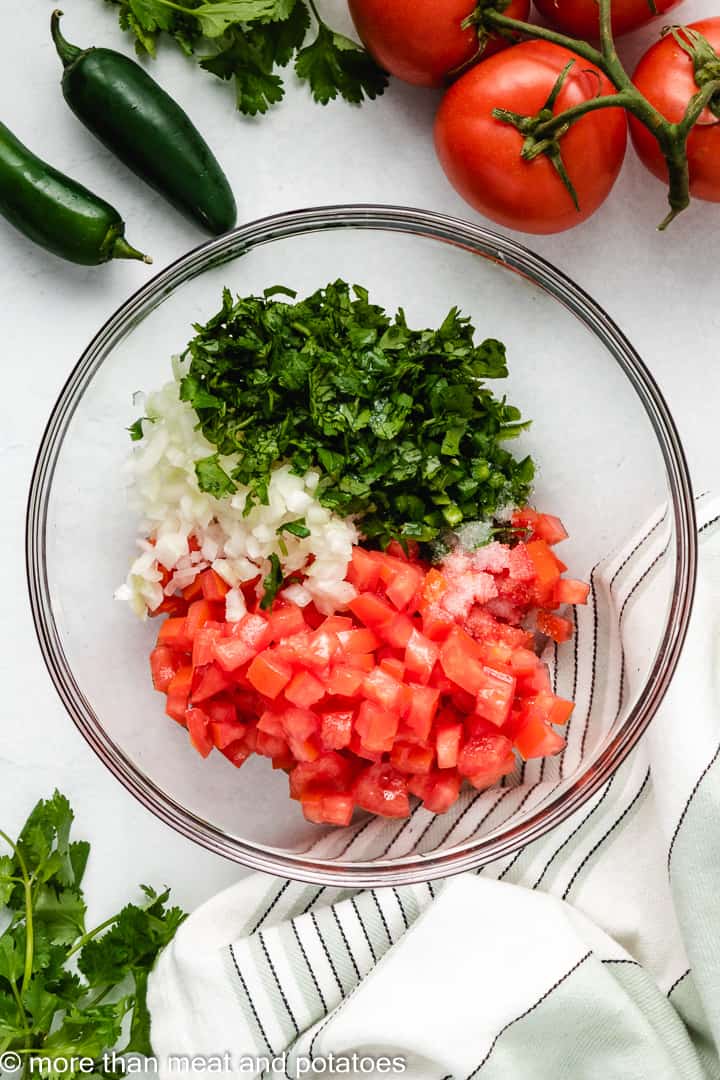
398	421
67	992
249	42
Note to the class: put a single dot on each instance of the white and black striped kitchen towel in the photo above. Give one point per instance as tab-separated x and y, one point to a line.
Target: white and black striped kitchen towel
593	952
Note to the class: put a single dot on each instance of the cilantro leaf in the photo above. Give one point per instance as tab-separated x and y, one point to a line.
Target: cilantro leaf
272	583
251	39
212	477
296	528
334	65
44	1002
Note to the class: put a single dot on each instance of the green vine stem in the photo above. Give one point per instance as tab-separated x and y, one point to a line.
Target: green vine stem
547	131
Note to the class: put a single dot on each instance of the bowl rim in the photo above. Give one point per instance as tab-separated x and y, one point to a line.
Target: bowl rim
479	241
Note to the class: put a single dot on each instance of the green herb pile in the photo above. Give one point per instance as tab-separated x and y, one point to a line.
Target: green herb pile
248	41
398	421
67	992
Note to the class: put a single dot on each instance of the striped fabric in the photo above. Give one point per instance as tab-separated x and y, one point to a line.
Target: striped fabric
593	952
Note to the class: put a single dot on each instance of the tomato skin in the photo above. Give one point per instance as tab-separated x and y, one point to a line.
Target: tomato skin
422	41
665	76
481	155
579	18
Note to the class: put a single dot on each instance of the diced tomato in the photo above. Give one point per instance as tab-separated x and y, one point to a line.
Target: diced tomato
372	611
561	710
495	696
444	791
404	585
202	650
237	752
193	591
436	624
411	757
299	723
554	626
272	746
271	722
381	789
535	682
254	630
536	738
214	588
569	591
207	682
547	572
225	732
285	620
382	688
409	552
459	657
336	729
304	690
199	612
358	641
393	666
344	681
172	633
231	653
398	632
376	726
328	809
434	588
364	571
423	706
269	674
421	655
221	711
360	661
337	624
358	748
523	661
196	722
485	753
171	605
164	663
178	693
550	529
319	649
330	773
447	743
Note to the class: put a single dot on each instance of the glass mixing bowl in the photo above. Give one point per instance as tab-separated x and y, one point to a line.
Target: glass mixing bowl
610	464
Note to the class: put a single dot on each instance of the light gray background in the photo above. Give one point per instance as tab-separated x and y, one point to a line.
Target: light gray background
662	290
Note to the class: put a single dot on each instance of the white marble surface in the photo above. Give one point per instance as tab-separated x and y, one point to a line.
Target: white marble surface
662	289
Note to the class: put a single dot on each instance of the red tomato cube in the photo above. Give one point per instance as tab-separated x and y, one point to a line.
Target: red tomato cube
569	591
382	688
231	653
447	743
411	757
213	587
329	773
423	706
459	657
285	620
363	571
376	726
484	754
172	633
304	690
336	729
495	696
372	611
269	674
554	626
358	641
404	585
536	738
164	663
328	809
398	632
381	789
344	681
197	724
421	655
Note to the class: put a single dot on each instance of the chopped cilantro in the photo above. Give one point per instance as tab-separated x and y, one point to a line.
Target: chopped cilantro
297	528
400	422
272	583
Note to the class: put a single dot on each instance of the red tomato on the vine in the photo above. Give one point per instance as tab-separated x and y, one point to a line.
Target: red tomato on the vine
422	41
666	77
579	18
481	155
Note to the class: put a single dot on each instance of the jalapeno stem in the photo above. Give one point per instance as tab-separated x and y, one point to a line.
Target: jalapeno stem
68	53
